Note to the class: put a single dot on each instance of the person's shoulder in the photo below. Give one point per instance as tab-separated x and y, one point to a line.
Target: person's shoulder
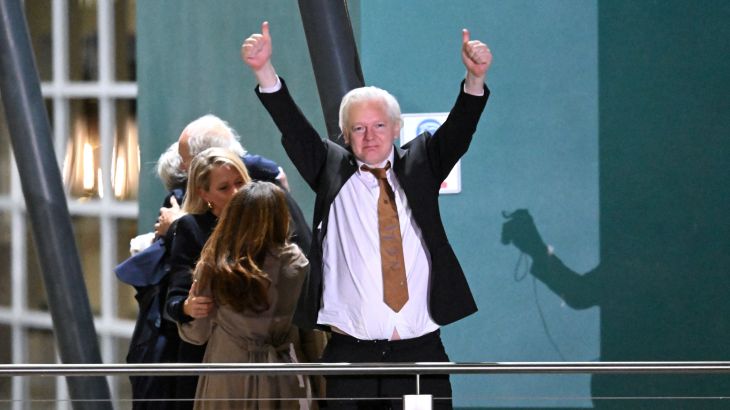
291	255
261	168
260	160
188	223
335	147
187	220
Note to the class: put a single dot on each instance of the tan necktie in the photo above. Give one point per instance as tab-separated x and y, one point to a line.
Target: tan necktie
395	287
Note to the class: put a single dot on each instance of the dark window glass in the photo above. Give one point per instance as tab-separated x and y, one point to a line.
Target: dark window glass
125	161
38	15
125	41
83	45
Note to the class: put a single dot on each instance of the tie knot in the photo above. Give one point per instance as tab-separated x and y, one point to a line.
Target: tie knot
379	173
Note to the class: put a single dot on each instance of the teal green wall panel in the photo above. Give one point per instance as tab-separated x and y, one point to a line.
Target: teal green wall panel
665	227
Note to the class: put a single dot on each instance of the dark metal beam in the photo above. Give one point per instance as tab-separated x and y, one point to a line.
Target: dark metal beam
30	135
334	55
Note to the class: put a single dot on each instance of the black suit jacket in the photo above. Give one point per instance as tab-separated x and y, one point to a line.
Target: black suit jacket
190	234
420	167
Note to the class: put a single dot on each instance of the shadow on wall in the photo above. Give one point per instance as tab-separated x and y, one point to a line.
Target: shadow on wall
663	284
655	306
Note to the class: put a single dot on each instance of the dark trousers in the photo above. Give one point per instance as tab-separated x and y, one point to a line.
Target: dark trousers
185	386
362	392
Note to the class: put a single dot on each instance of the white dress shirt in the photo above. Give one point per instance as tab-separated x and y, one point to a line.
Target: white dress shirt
352	298
352	295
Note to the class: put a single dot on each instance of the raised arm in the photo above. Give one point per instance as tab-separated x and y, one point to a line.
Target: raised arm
256	52
303	145
477	58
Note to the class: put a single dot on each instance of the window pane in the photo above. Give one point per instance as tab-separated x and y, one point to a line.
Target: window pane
49	109
126	230
82	163
4	153
41	350
5	358
122	349
125	157
124	23
38	14
36	291
5	262
88	242
86	233
83	36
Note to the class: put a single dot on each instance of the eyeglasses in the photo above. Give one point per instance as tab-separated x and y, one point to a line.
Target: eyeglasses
360	129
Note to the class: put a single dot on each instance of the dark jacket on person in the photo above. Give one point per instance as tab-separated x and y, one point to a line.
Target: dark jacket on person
420	166
189	237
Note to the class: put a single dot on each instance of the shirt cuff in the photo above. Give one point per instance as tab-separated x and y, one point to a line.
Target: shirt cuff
463	87
271	89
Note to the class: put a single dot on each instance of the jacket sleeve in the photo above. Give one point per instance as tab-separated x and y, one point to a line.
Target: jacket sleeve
452	139
197	331
301	233
301	141
184	253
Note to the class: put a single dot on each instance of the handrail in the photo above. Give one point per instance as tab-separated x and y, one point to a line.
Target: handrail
170	369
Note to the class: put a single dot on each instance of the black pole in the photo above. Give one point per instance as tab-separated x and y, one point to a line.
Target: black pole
30	134
334	55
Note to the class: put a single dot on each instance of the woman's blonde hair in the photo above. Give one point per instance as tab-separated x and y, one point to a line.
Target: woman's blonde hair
255	222
199	176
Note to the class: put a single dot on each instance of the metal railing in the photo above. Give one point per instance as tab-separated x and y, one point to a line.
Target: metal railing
176	369
415	369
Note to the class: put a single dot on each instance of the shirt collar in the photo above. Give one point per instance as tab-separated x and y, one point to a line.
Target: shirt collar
390	158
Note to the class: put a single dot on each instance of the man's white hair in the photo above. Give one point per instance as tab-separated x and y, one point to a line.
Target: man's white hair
168	168
210	131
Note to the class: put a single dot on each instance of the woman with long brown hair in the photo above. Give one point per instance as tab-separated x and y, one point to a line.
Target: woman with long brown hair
215	175
254	275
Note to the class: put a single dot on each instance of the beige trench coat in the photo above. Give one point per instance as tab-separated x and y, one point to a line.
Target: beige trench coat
267	337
